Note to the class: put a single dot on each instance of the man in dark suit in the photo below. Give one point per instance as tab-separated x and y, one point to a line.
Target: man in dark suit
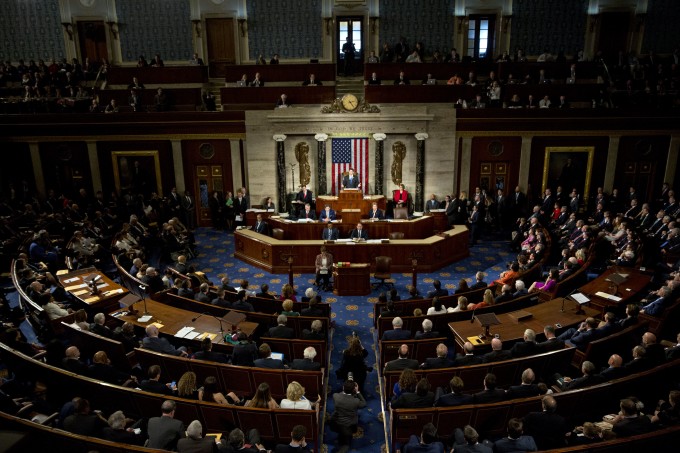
307	213
402	362
330	233
245	351
469	358
432	203
427	331
266	360
397	333
281	330
629	422
297	444
450	206
241	303
639	362
83	422
455	398
518	201
515	441
437	291
351	181
654	352
547	428
264	292
428	442
674	352
422	397
153	383
315	332
203	294
374	80
206	352
195	442
582	336
480	283
441	361
615	369
345	418
474	223
587	379
490	394
497	354
307	363
165	431
375	213
526	389
359	233
402	79
551	342
527	347
304	195
260	225
327	215
240	207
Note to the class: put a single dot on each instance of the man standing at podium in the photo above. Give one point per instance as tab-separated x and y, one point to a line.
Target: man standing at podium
330	233
351	181
359	233
303	197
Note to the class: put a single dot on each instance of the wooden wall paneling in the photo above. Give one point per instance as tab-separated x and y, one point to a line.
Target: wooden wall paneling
641	162
496	151
20	159
66	167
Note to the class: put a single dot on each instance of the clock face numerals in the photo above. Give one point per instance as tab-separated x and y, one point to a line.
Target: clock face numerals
350	102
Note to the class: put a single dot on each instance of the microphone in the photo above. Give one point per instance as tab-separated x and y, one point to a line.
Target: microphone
194	319
216	318
565	298
472	320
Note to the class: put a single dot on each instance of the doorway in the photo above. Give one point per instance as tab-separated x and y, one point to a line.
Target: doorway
350	54
92	40
220	46
481	36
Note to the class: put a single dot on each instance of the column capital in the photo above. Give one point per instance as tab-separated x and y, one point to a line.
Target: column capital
279	137
379	137
321	137
421	136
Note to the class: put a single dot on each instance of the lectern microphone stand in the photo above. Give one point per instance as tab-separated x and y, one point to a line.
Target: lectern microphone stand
487	320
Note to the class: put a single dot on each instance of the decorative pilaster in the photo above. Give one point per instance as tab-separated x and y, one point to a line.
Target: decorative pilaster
281	170
321	163
420	171
379	159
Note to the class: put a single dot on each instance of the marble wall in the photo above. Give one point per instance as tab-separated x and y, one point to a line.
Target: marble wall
31	30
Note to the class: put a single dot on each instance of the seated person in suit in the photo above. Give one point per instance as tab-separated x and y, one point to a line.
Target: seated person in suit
374	80
153	383
400	197
469	358
165	431
441	361
304	195
515	441
402	79
315	332
490	394
330	233
359	233
455	398
427	442
283	102
526	389
269	205
307	213
423	397
466	440
257	81
266	360
351	180
323	265
260	225
375	213
264	292
327	215
306	363
427	331
629	421
438	291
281	330
397	333
497	353
402	362
311	81
527	347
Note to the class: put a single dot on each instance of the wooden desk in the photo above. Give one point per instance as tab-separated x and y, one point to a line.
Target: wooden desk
350	200
419	228
173	319
251	215
635	282
282	72
511	331
267	96
156	76
432	253
110	291
353	280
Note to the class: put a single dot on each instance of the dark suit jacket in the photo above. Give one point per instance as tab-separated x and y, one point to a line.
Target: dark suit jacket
467	359
453	399
304	215
422	335
396	334
269	363
281	332
522	443
331	215
611	373
550	345
413	400
547	429
489	396
305	364
260	228
203	445
522	391
437	362
437	293
378	214
265	296
632	426
164	432
523	349
149	385
244	354
304	198
353	184
496	356
211	356
329	235
356	234
673	353
401	364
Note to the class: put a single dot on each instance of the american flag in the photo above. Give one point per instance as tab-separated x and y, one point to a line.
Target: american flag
349	153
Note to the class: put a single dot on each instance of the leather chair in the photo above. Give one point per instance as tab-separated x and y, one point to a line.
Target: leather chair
397	235
277	233
401	212
382	272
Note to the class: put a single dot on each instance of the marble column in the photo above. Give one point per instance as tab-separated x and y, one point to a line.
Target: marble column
672	162
465	165
281	170
34	149
178	165
94	166
524	164
420	171
379	162
610	169
322	187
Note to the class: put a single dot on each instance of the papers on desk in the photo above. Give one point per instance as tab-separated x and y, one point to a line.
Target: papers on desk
580	298
303	220
374	241
187	332
71	280
63	272
157	324
344	240
71	288
212	336
81	292
145	318
437	210
239	218
607	296
112	292
89	300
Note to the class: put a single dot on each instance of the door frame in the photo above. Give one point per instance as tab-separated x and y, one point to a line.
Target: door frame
337	52
110	50
241	50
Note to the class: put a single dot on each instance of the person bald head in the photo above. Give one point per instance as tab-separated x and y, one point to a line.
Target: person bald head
496	344
152	331
615	361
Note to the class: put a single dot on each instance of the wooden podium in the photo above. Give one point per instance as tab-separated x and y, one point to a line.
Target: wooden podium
352	280
350	199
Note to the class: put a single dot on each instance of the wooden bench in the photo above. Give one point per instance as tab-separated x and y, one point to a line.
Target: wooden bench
417	349
295	348
282	72
238	379
118	75
265	98
508	372
179	99
89	343
621	342
490	420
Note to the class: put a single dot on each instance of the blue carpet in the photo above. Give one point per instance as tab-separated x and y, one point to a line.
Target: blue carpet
216	259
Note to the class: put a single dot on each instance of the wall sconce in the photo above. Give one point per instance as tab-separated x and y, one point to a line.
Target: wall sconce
113	26
68	28
197	27
242	25
373	22
461	23
640	20
506	22
329	24
594	19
